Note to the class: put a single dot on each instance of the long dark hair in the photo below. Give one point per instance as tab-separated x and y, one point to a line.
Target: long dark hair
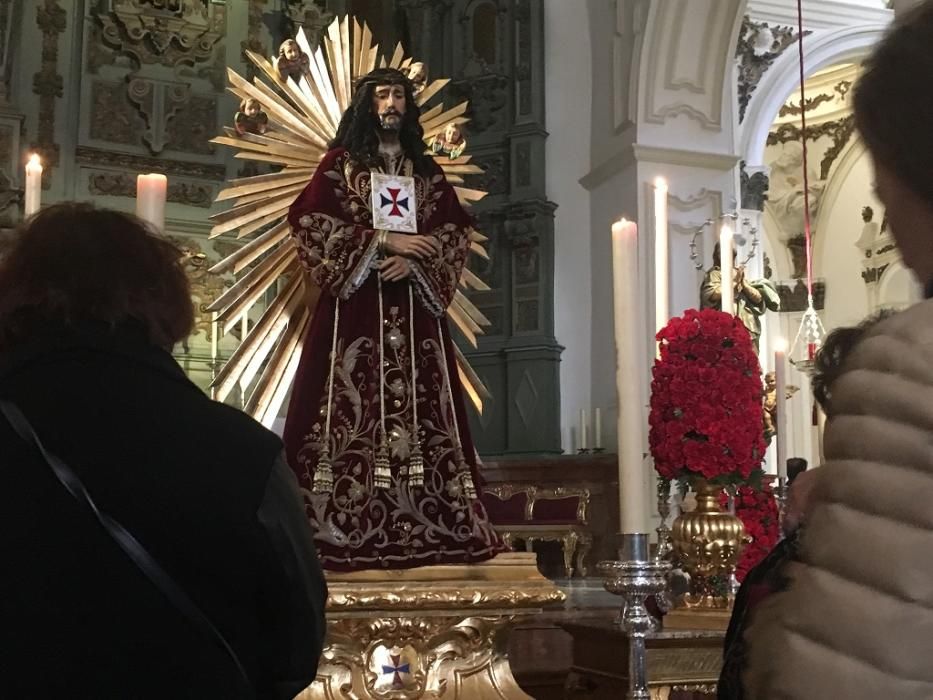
359	128
837	347
72	263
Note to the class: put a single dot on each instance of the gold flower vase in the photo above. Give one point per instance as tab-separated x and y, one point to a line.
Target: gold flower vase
708	544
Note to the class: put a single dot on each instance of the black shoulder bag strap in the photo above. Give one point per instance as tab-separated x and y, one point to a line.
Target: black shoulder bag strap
123	537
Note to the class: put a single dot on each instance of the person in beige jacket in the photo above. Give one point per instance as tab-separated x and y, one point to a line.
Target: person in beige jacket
857	620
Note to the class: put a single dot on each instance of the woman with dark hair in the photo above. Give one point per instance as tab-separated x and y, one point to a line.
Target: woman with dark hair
154	543
770	575
857	620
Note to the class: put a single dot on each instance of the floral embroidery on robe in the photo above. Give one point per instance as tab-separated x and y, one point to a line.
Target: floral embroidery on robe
359	526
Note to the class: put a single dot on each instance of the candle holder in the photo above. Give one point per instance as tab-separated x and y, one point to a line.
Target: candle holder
583	451
665	545
598	450
780	493
635	579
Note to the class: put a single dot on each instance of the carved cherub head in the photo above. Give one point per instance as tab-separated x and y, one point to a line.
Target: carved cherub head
251	107
418	74
289	50
452	134
770	382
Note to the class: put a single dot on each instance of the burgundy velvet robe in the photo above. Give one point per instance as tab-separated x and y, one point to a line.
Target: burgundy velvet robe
356	525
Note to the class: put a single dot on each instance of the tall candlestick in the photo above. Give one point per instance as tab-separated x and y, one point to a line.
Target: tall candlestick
780	381
725	267
583	436
633	503
598	429
661	272
32	200
151	191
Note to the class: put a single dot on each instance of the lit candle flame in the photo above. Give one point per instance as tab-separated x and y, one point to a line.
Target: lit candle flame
780	345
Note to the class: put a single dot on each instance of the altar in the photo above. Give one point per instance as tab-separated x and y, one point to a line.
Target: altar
682	664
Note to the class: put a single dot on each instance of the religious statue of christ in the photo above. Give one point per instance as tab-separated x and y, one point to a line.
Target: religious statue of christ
376	430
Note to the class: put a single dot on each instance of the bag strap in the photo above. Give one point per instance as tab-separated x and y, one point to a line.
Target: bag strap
123	537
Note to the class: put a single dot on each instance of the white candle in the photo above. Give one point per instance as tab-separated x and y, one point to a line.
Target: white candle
244	326
725	266
661	272
214	326
780	423
629	334
33	197
583	436
598	428
151	191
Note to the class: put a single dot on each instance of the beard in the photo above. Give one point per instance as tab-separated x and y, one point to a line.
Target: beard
390	121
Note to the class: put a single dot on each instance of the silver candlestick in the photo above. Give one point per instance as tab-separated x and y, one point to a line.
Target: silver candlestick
636	578
665	545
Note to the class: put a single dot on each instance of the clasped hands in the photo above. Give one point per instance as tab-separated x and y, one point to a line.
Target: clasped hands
401	248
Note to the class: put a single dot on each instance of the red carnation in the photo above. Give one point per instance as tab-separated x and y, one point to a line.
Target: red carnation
706	411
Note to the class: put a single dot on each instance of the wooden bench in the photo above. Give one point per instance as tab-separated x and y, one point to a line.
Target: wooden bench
530	514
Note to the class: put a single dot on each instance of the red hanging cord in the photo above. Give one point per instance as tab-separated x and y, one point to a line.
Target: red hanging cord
803	142
811	348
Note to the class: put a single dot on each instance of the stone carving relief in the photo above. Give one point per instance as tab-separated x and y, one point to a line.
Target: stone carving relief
759	45
158	102
488	94
51	19
495	177
113	118
312	16
839	130
85	155
253	41
205	286
10	200
168	32
193	126
119	184
754	188
523	67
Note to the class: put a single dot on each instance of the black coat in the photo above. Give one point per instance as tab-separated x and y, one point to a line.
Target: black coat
200	485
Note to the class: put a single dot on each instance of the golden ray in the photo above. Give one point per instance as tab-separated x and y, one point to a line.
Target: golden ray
252	250
431	90
272	321
469	279
303	118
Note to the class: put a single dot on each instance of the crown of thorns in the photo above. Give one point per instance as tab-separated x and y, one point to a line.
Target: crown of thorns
383	76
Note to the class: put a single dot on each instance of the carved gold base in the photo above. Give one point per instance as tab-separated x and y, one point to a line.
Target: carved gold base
698	619
431	632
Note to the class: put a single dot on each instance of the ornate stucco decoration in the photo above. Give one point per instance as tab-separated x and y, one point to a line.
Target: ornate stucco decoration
205	286
48	83
754	187
759	45
121	184
164	31
309	15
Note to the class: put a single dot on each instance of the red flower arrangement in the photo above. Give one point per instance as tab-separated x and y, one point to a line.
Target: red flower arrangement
706	400
758	510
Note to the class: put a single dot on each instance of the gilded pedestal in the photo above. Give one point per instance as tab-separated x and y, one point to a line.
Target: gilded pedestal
431	632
